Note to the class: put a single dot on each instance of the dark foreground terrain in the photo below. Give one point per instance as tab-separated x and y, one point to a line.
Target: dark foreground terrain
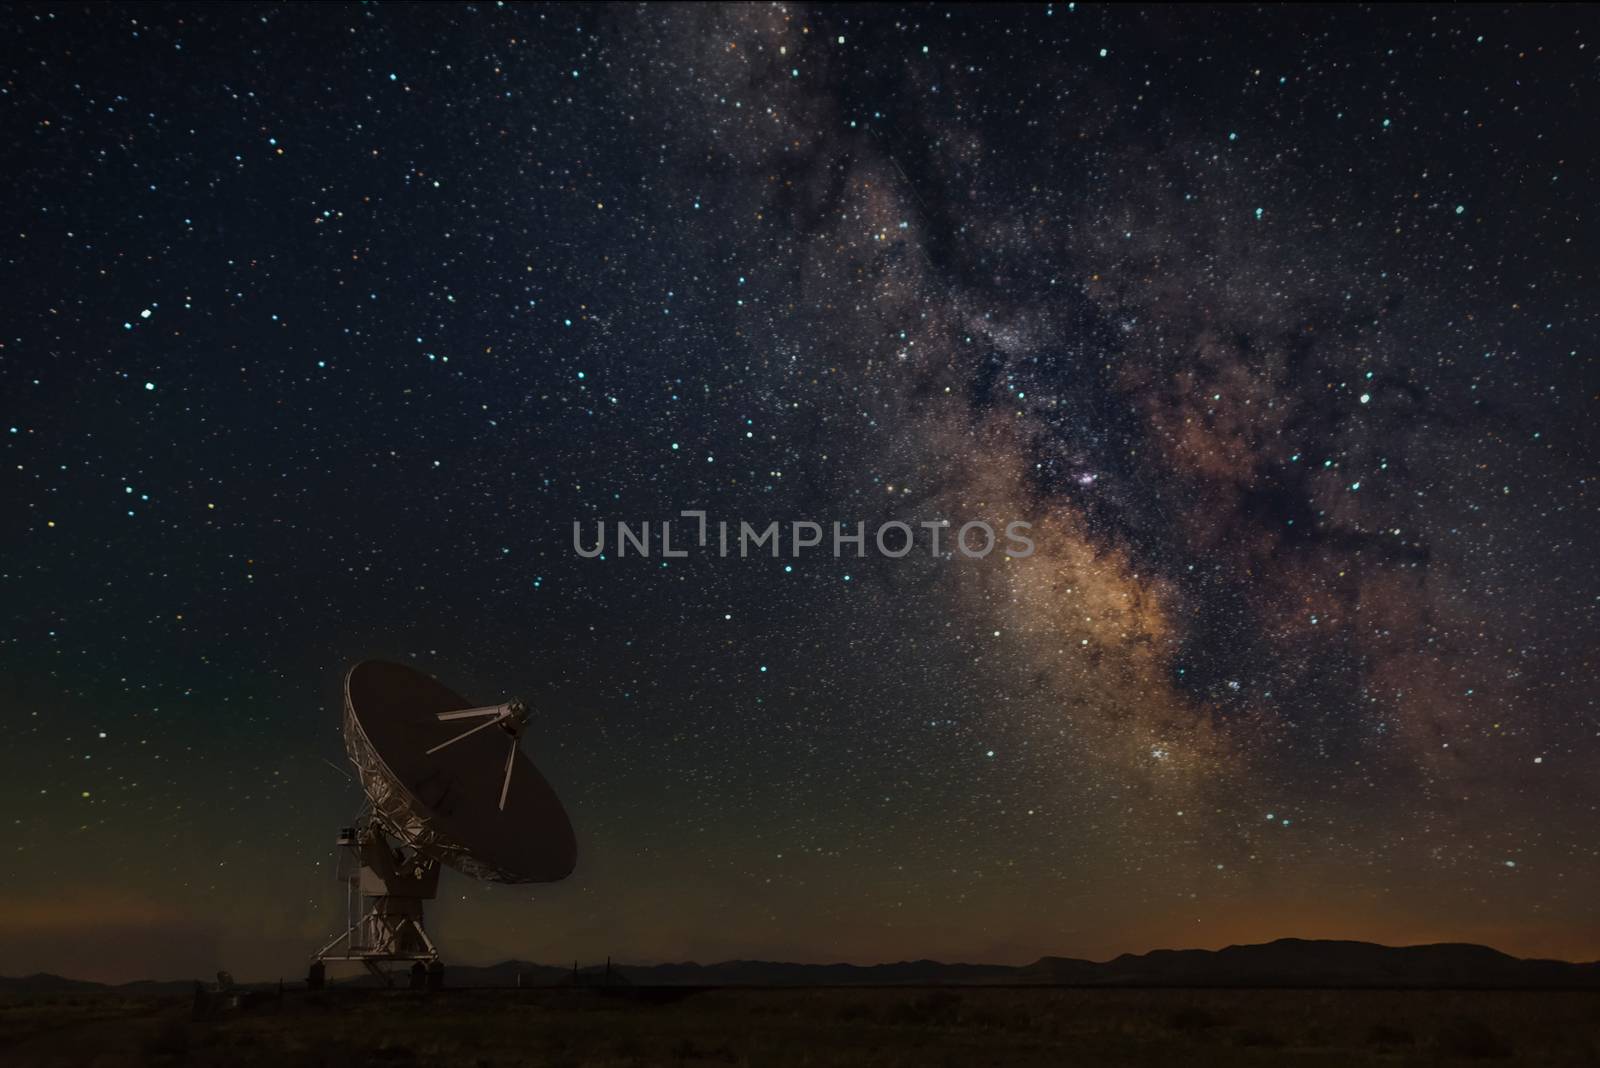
894	1026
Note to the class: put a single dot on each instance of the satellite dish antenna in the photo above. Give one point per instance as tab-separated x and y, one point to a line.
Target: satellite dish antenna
445	786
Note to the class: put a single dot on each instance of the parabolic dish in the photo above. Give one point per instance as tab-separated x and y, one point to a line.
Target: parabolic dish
447	805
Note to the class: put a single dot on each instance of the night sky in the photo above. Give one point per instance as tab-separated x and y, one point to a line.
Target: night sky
322	326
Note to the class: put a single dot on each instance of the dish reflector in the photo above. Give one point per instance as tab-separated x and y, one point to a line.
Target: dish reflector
477	804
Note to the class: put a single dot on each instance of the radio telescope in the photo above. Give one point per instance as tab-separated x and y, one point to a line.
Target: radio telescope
441	787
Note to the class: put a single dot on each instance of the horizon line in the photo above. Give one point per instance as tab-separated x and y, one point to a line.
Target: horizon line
689	963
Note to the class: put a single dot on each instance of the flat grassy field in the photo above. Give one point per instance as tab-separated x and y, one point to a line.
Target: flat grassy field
844	1026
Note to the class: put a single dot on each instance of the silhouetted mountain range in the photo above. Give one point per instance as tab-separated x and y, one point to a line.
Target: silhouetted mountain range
1290	962
1287	962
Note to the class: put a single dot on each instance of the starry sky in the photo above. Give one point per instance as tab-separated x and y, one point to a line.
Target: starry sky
323	325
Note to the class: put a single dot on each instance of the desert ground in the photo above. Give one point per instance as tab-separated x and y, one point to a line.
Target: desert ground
810	1026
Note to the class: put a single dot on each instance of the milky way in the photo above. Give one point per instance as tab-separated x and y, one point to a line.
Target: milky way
326	325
